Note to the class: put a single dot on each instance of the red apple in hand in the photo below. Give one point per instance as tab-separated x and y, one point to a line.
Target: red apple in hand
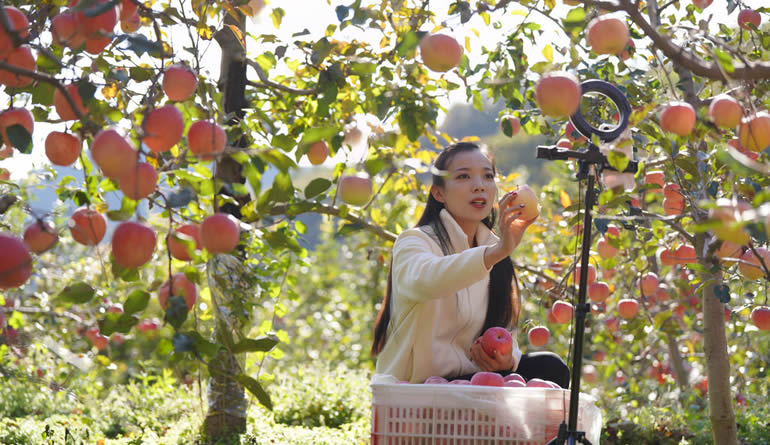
526	196
497	342
484	378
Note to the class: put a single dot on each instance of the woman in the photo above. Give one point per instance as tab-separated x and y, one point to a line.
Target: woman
451	279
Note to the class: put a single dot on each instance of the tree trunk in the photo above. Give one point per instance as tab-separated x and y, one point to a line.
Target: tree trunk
227	400
721	412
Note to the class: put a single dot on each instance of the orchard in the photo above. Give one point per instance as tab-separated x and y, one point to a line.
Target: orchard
206	194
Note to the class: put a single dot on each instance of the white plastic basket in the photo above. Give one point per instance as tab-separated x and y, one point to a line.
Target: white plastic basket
420	414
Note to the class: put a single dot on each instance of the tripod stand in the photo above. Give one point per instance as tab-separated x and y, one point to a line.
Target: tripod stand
590	164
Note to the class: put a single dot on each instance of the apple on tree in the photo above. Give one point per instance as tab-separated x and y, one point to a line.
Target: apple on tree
558	94
355	190
112	153
15	116
133	244
206	139
177	247
749	17
607	35
678	117
725	111
179	82
750	267
40	236
63	107
628	308
318	152
138	181
754	131
162	128
538	336
510	125
62	148
182	287
220	233
87	226
760	316
15	262
562	311
440	52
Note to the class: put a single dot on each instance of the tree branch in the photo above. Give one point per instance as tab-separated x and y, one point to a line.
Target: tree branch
335	211
266	82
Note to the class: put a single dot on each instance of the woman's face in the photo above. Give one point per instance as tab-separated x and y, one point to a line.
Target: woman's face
469	190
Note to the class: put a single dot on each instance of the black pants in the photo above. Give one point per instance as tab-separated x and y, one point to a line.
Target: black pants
541	365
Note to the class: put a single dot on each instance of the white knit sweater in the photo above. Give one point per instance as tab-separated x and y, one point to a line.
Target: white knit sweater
439	304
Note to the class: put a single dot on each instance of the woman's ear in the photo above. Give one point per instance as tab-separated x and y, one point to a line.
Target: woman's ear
437	193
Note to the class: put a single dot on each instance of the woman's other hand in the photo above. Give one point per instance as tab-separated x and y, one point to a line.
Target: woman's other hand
493	362
511	229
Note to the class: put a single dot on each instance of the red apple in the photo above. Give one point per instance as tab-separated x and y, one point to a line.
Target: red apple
612	323
436	380
127	9
751	268
628	308
760	316
112	153
591	274
514	384
725	111
62	106
510	125
662	294
21	57
754	131
513	377
458	382
702	4
605	249
355	190
139	181
179	82
15	116
497	342
729	212
526	196
183	287
728	250
607	35
484	378
115	308
749	17
65	30
736	144
562	311
564	143
131	24
598	291
220	233
62	148
87	226
673	207
19	24
685	254
317	152
655	177
672	192
40	236
648	284
440	52
163	128
206	139
539	383
177	248
133	244
678	118
628	50
118	338
590	375
538	336
148	325
558	94
15	262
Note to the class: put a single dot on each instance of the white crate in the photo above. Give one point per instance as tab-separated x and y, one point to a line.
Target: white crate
420	414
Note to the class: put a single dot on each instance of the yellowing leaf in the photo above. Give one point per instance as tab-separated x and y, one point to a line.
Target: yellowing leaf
101	207
109	91
564	198
238	34
550	3
476	32
519	12
548	53
467	43
470	139
204	32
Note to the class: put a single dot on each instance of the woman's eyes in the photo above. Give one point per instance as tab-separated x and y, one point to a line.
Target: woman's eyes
466	176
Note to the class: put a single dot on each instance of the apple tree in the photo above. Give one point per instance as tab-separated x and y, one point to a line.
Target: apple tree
181	213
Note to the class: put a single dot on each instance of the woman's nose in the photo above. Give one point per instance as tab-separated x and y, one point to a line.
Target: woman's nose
478	184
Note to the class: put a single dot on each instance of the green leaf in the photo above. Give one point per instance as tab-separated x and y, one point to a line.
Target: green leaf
318	134
282	190
140	74
284	142
722	291
182	343
164	347
181	198
618	160
278	159
575	17
263	344
136	302
348	229
176	312
127	209
124	273
20	138
407	44
201	345
255	388
724	60
79	292
141	45
316	187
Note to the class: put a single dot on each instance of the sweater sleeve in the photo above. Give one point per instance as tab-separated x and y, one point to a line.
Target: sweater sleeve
421	275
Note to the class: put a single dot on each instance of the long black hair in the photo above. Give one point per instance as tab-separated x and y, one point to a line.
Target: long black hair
504	301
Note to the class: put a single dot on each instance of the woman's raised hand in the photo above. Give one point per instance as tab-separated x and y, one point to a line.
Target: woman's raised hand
511	229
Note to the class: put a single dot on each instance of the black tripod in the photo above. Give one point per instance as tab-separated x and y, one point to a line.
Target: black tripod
590	164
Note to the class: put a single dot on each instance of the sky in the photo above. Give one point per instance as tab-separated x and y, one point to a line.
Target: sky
300	16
